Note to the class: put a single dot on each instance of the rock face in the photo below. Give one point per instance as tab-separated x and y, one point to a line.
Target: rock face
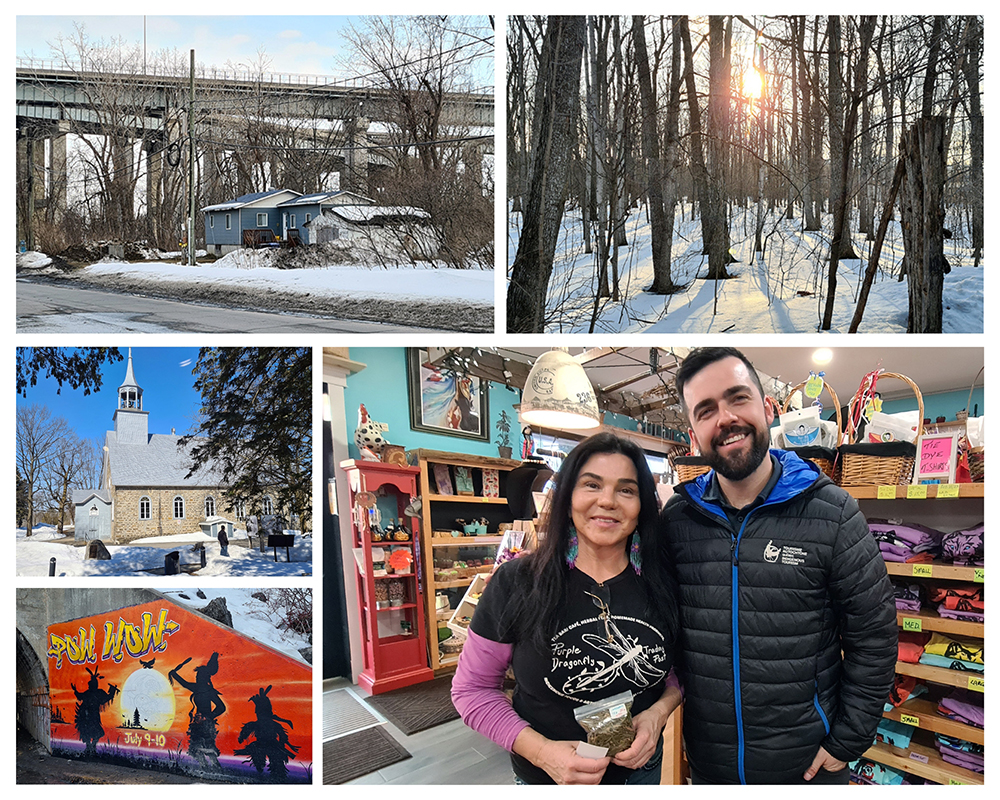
219	611
97	550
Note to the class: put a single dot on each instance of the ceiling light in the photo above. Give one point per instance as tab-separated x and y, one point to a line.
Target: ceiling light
822	356
558	394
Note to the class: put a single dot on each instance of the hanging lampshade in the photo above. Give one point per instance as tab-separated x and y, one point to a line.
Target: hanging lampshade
558	394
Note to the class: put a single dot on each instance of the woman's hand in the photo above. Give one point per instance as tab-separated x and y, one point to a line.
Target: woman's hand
559	759
649	730
564	766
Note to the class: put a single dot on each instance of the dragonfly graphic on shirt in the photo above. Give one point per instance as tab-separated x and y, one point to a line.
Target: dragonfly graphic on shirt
627	659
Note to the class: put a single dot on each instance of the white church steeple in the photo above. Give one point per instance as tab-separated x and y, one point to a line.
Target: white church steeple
131	422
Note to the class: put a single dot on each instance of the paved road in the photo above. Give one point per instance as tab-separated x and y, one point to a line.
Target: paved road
48	308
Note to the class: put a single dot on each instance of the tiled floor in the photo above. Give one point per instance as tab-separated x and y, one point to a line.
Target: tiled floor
445	754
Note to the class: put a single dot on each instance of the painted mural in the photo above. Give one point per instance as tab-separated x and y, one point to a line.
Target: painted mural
155	686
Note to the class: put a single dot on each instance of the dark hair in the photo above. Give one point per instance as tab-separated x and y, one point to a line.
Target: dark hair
537	610
701	357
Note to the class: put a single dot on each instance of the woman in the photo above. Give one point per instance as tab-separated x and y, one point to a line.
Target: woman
591	613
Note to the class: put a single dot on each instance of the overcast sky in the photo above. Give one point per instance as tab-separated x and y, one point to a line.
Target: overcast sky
308	45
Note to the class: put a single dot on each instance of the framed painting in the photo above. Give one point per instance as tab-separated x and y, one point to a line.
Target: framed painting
444	401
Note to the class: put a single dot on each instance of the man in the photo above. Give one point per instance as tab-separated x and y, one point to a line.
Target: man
789	639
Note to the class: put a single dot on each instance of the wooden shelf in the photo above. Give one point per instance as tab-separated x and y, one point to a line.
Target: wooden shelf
912	760
467	498
939	571
942	675
465	541
965	490
495	510
931	621
397	608
930	720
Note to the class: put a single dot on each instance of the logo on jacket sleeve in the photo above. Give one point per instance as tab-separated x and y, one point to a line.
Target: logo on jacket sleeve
794	556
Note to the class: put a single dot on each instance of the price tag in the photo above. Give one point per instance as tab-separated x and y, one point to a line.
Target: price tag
907	719
918	492
923	571
979	575
977	683
955	782
911	624
948	490
886	493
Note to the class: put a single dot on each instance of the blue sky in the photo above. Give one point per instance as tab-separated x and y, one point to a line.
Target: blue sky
308	45
163	373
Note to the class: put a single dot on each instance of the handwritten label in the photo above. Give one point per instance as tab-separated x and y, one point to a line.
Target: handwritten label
918	492
979	575
918	757
886	493
948	490
977	683
911	624
923	571
908	719
935	455
955	782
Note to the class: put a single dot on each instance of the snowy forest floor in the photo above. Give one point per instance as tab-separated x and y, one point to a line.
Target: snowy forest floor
421	296
782	291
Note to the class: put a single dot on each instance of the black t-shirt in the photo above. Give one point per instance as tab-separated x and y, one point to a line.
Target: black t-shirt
580	665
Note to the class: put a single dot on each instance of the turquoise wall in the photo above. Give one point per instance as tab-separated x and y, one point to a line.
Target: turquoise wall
381	386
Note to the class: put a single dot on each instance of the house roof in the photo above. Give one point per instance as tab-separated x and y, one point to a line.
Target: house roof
81	496
158	462
249	200
323	197
371	213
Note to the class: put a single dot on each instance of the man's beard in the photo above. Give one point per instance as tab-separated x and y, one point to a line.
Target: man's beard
739	465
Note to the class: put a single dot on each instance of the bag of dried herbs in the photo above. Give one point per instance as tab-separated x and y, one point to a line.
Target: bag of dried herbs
608	723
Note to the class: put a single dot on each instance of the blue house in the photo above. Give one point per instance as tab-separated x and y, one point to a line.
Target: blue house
267	217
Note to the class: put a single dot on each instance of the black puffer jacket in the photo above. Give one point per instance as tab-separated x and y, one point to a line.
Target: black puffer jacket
765	611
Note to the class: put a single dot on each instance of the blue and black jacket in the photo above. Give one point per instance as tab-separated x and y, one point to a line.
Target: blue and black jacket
788	627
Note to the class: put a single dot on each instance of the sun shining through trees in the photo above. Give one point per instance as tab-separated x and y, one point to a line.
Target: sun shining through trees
753	83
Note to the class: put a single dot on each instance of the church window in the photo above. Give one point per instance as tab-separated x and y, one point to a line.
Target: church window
144	508
241	509
178	507
209	506
267	506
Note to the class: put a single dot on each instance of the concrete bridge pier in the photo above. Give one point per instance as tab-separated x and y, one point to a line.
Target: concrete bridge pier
41	167
357	156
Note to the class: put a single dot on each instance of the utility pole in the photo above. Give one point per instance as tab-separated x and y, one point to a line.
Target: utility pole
191	187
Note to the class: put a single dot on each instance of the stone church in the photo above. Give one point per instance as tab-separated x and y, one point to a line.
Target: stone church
144	490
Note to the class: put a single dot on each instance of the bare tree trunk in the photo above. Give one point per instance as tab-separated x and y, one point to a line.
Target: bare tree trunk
974	33
923	223
559	75
659	234
713	217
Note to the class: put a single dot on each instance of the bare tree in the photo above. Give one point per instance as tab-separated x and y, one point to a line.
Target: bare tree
39	442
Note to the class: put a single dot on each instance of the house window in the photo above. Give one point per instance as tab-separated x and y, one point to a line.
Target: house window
261	219
293	221
178	507
209	506
144	508
211	220
241	509
229	222
308	218
267	506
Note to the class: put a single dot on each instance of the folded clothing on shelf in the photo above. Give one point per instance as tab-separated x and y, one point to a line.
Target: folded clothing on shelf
964	547
868	771
963	706
904	688
955	647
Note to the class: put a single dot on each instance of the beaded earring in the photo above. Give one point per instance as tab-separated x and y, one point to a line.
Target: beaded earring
634	556
574	547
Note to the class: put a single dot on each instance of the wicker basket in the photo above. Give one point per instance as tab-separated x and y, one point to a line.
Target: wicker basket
690	467
977	463
826	461
889	464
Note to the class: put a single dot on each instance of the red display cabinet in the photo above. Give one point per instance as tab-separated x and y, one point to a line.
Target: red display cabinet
391	599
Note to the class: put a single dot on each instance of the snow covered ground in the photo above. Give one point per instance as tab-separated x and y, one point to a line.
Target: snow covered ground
251	270
34	552
783	292
250	616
